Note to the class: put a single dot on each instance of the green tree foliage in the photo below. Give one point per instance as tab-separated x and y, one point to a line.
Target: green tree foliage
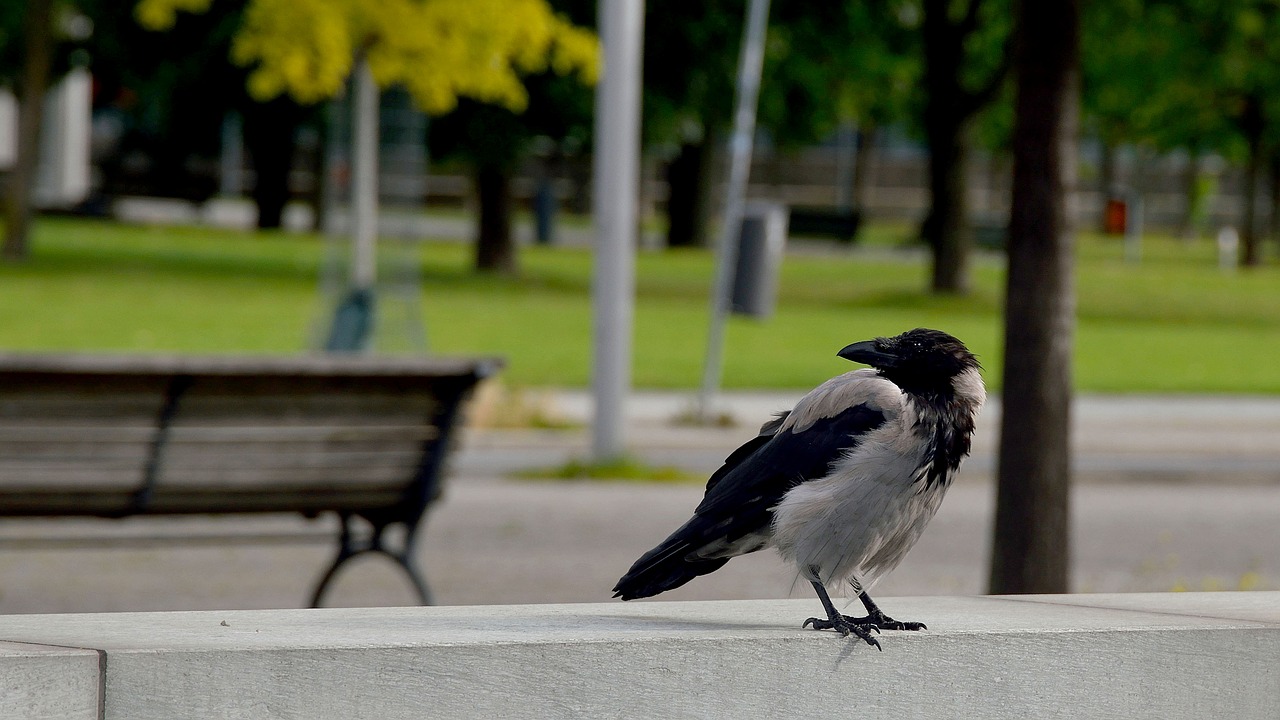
690	64
494	140
170	92
1192	74
830	63
300	52
825	63
965	63
438	50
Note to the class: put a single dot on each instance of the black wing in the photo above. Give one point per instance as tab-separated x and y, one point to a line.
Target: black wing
740	498
767	431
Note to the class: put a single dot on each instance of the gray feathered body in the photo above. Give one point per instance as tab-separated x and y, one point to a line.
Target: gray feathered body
842	485
858	522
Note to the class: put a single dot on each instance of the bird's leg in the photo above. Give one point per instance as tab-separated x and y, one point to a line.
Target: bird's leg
875	617
839	623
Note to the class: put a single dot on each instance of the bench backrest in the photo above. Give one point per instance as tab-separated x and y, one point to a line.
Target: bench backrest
120	435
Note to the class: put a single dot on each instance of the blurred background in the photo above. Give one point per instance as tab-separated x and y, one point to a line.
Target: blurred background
198	176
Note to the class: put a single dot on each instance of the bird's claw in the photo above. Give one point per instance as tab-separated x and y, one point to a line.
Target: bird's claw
845	628
884	622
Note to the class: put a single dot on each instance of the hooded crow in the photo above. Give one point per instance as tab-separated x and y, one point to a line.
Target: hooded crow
843	484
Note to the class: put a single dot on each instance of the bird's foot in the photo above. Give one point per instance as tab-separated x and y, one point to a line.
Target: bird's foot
846	626
884	622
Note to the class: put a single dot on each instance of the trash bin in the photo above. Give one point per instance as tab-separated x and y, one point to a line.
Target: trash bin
544	212
760	246
1115	219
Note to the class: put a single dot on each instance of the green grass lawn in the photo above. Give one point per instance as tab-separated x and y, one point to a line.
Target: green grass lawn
1173	323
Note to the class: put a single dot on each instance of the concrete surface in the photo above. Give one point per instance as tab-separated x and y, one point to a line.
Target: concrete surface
513	542
1167	656
1171	505
1114	437
47	682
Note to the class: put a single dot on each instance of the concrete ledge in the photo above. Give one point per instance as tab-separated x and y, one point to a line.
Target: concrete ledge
39	681
1123	656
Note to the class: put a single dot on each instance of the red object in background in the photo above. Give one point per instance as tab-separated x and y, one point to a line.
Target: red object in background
1116	217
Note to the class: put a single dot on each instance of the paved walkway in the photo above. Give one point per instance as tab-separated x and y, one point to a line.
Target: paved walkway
1173	493
1212	439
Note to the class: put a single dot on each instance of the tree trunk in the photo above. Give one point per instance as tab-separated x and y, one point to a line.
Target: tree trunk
948	111
688	195
495	245
947	227
269	137
862	159
1250	256
1274	168
1251	126
1030	548
38	51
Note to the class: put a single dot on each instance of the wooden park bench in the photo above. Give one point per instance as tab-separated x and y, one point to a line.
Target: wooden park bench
842	225
119	435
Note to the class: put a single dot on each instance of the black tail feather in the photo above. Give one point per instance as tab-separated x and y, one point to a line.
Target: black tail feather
661	579
663	568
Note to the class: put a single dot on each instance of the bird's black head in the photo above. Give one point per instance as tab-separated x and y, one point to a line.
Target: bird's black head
920	360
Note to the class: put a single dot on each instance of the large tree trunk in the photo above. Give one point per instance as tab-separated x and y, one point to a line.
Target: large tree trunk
269	130
38	49
688	195
495	245
1030	548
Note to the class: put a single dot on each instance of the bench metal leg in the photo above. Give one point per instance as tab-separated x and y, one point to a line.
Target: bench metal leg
350	545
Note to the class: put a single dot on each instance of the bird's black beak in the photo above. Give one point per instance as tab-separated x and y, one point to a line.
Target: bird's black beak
867	353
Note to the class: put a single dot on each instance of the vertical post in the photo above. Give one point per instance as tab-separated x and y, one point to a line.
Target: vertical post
337	162
364	179
1228	248
353	320
750	63
615	194
231	157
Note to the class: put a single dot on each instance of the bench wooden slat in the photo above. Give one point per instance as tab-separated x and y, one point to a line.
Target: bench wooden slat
21	476
97	502
39	431
90	471
123	436
319	365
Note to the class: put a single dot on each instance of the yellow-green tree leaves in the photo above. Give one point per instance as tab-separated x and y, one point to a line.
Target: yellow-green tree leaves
438	50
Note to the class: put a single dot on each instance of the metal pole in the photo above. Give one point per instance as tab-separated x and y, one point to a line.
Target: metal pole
750	62
364	179
615	170
231	156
